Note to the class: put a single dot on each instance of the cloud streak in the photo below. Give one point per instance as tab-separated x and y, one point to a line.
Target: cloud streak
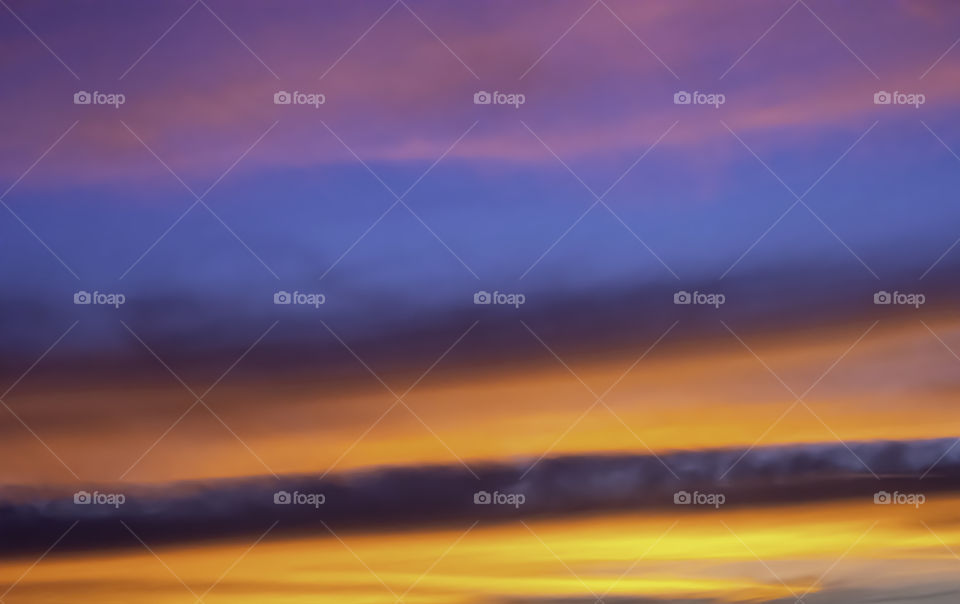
214	119
407	497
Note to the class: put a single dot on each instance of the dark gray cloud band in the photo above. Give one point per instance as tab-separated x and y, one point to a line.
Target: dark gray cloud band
437	496
199	334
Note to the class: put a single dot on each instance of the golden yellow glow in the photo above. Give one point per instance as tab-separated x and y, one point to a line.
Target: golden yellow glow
711	396
712	555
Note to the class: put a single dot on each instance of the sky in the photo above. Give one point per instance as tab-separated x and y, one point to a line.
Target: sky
385	257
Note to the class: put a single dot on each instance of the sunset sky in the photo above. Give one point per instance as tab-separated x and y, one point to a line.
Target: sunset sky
687	249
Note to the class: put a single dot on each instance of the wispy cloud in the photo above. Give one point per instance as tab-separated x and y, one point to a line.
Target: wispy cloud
397	497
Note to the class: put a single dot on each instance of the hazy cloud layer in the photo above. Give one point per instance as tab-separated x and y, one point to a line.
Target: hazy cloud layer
392	498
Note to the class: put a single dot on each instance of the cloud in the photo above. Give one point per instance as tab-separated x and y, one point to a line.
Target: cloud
406	497
200	114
